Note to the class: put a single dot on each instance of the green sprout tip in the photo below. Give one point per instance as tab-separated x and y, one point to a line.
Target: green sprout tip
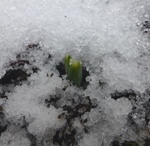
73	69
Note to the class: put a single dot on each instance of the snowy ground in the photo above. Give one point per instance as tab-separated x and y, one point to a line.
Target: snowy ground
39	107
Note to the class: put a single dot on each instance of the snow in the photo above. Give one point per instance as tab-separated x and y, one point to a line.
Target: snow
111	37
15	137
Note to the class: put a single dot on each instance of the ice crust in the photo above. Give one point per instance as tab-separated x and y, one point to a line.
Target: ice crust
111	37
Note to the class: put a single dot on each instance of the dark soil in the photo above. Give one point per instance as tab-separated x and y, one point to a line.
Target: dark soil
66	134
126	93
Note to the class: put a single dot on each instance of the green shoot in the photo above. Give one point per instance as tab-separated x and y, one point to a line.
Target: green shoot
67	58
73	69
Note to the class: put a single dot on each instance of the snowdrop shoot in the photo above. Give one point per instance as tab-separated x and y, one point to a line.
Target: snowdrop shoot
73	69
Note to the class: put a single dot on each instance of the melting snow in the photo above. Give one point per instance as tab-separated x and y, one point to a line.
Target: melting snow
39	107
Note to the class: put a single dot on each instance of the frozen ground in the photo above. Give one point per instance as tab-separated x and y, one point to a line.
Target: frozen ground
39	107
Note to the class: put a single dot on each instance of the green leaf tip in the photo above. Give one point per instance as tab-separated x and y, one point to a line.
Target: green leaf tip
67	58
73	69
